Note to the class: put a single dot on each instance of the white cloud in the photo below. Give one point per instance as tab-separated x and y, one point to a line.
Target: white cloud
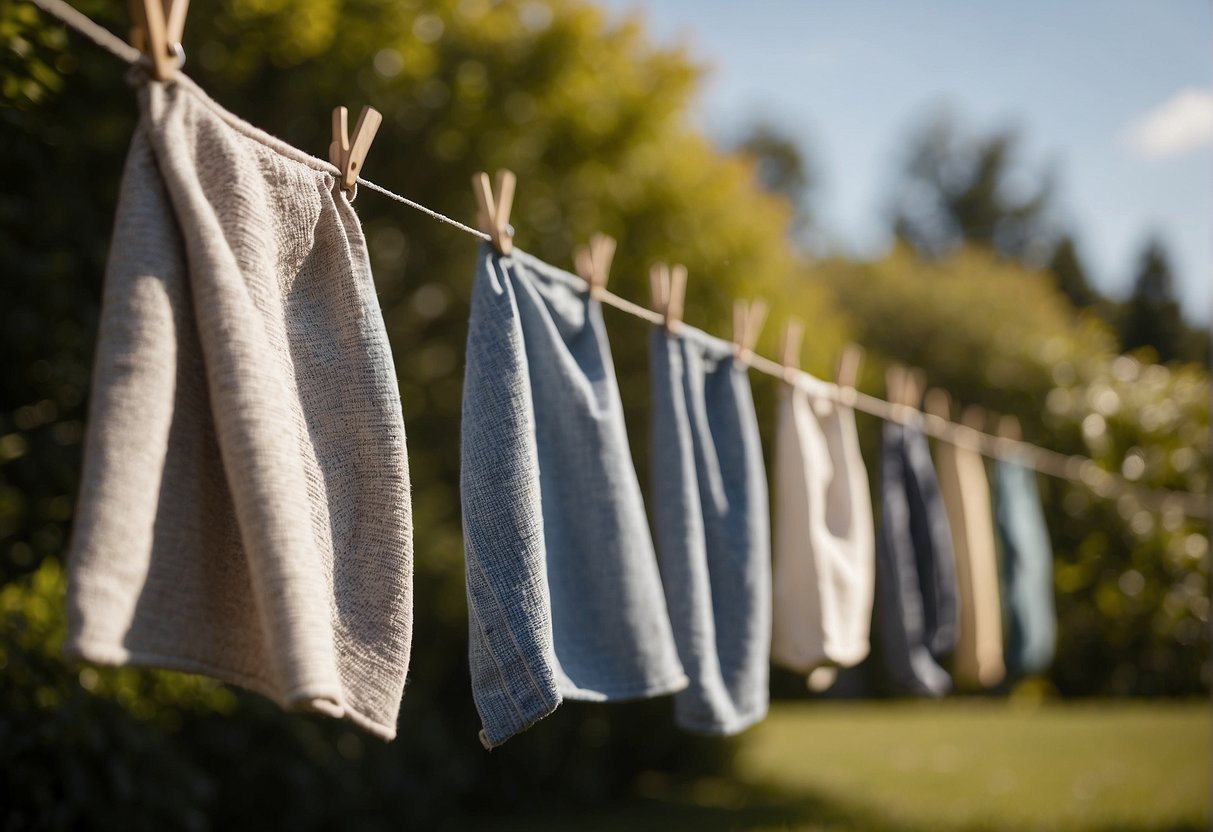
1184	122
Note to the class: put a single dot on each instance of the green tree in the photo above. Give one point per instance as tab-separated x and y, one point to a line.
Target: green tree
957	188
595	122
1151	316
782	168
1067	267
1131	580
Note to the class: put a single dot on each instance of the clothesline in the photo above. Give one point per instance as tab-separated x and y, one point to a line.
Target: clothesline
1075	468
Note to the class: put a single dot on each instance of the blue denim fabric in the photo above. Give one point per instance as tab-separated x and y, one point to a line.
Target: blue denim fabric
1027	571
564	593
713	529
916	612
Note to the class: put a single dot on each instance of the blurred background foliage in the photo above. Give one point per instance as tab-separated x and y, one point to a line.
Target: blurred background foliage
984	290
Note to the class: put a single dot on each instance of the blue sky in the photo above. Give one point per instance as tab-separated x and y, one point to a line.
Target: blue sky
1113	94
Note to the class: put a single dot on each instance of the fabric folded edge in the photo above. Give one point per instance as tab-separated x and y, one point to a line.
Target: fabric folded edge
663	687
313	698
513	682
725	728
510	713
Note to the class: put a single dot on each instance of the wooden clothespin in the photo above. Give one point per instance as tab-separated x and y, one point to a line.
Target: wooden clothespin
493	216
748	318
789	350
848	365
668	287
593	262
847	373
1009	428
938	403
894	384
349	157
974	418
916	382
157	27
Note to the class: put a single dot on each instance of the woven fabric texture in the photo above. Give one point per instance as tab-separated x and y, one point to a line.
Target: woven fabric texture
244	511
564	594
713	529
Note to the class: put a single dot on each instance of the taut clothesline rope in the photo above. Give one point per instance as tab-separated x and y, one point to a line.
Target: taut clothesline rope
1076	468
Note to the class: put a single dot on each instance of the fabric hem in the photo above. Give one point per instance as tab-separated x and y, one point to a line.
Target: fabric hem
802	665
314	697
515	728
722	729
824	659
651	690
537	703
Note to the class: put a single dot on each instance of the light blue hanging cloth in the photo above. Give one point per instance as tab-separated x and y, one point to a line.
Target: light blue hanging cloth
564	594
712	525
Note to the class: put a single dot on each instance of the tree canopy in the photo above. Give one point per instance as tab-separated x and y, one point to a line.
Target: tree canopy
595	120
1151	316
1067	266
958	188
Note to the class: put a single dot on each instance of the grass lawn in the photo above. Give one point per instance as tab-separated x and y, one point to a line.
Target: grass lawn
978	765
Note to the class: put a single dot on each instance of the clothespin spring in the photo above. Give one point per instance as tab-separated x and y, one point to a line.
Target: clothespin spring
157	29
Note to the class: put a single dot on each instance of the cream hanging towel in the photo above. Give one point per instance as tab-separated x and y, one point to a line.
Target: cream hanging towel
244	511
824	543
978	659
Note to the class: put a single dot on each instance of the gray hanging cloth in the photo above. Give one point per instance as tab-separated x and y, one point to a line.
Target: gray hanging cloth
244	511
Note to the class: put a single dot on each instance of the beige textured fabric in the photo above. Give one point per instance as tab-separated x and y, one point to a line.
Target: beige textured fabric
244	511
824	545
978	659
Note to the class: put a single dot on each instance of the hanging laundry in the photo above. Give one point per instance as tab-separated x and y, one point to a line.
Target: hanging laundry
564	595
712	528
244	511
977	661
824	546
915	609
1027	571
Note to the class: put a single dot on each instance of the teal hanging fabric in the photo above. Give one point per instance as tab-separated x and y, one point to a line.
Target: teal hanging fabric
1027	571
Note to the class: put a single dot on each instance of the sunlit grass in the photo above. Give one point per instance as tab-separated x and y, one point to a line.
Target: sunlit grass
993	764
976	765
